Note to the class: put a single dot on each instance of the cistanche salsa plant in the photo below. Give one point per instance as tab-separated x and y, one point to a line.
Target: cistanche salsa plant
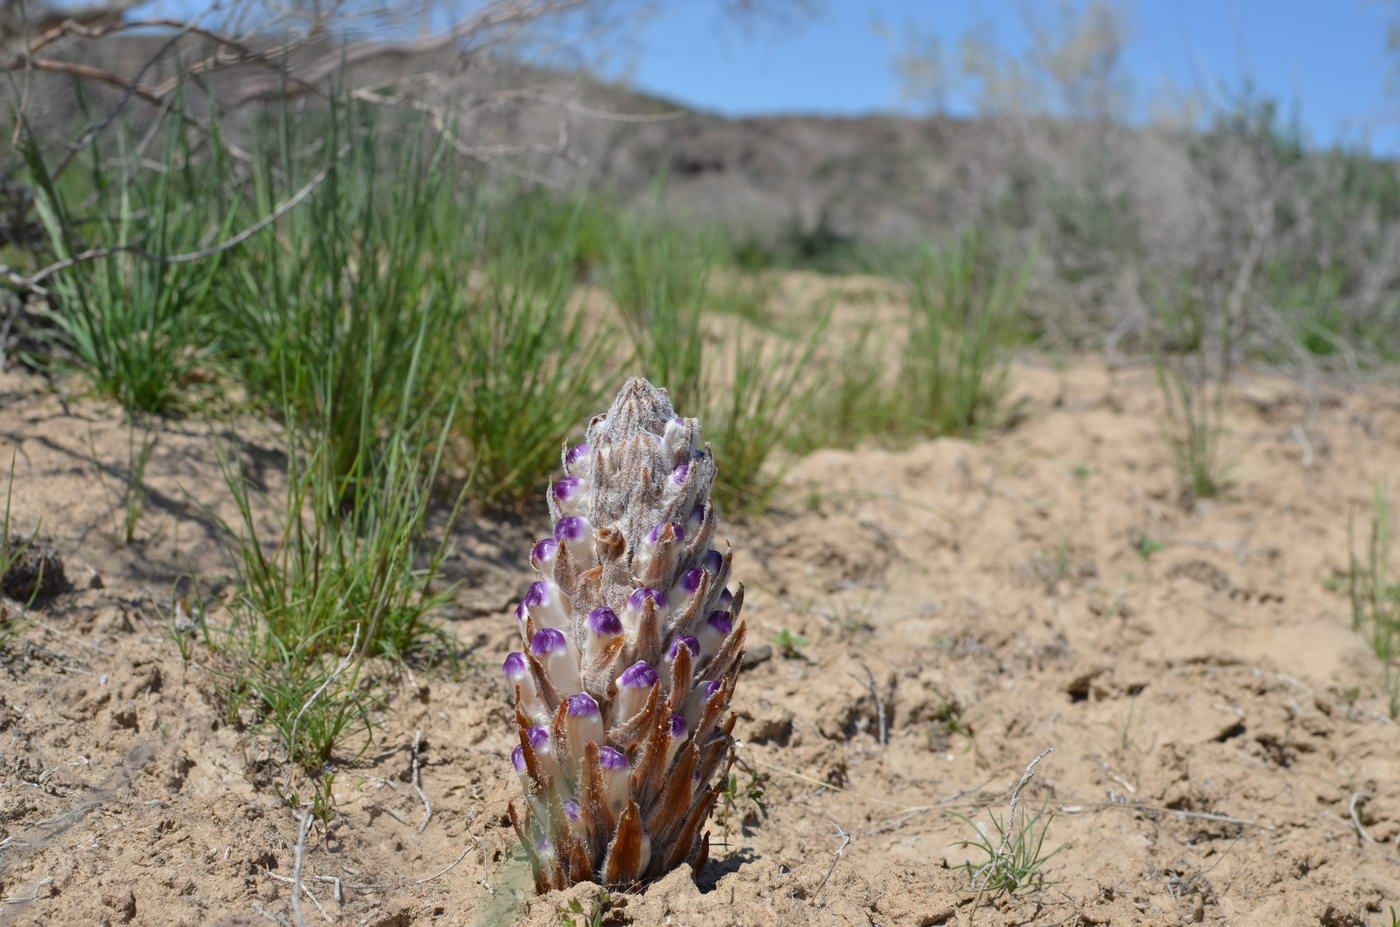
631	649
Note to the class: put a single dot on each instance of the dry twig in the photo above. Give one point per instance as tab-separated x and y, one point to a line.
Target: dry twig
840	852
447	869
418	783
297	887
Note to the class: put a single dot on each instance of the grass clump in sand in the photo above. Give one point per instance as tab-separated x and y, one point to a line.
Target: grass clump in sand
941	367
1193	375
327	612
1375	597
1014	848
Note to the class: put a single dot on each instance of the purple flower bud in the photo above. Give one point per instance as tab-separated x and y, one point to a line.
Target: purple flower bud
639	597
686	641
689	584
726	598
517	759
518	676
678	475
636	605
572	810
547	641
545	603
544	553
582	705
678	734
544	750
654	536
570	528
612	760
515	667
584	721
576	453
602	626
713	632
697	700
544	847
616	775
639	675
568	489
604	622
633	689
712	561
697	515
576	533
557	656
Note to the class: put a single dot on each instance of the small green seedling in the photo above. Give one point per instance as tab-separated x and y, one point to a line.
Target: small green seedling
734	794
1375	597
1147	546
573	915
790	645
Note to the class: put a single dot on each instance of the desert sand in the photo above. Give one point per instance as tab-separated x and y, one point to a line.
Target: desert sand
1222	752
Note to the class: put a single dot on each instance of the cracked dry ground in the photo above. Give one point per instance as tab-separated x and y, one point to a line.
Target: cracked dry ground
1214	719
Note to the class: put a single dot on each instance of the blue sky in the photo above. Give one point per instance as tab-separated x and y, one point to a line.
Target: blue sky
1327	57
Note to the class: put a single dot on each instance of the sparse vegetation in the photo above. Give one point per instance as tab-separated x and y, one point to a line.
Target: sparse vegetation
790	645
1375	597
1014	848
574	915
1193	374
347	272
742	800
346	593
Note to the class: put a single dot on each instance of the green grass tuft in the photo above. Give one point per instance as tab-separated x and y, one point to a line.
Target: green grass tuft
1016	868
1375	597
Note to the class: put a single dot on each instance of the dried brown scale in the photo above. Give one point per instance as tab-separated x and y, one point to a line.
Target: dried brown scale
620	768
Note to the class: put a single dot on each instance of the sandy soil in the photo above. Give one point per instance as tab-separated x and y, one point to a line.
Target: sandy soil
1214	719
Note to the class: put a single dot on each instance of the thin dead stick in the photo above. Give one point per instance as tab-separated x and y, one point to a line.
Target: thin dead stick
1071	807
334	880
297	887
1356	819
30	617
418	783
305	890
275	918
34	896
348	659
879	703
840	852
453	865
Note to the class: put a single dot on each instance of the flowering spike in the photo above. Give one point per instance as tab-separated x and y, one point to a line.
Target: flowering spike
622	741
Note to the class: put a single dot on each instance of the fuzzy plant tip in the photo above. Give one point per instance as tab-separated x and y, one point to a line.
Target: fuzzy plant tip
630	645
